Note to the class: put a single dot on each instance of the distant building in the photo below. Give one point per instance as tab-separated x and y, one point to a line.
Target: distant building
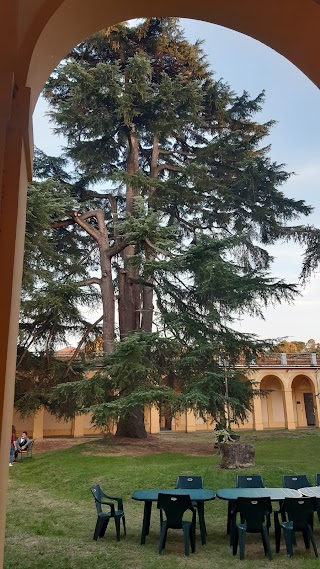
292	401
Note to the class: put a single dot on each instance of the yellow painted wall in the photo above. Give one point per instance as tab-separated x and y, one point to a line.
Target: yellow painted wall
272	405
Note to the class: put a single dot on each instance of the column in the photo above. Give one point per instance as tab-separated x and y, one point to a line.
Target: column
190	422
78	426
14	169
317	410
154	420
38	424
288	410
257	414
317	396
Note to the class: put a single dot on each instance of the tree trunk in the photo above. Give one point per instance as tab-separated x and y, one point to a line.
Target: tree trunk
107	295
132	424
147	299
147	292
129	287
129	299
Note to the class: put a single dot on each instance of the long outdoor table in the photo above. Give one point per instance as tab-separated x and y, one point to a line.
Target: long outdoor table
310	492
198	495
275	494
231	494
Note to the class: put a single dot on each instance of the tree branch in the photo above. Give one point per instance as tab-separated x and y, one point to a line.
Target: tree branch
170	167
116	249
80	220
63	223
154	247
173	152
91	280
80	344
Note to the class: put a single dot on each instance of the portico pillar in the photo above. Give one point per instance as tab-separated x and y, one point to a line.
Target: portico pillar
190	422
288	410
38	424
317	397
78	426
154	421
14	169
317	411
257	414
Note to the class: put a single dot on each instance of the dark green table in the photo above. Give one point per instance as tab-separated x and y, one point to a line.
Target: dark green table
310	492
231	494
275	494
198	495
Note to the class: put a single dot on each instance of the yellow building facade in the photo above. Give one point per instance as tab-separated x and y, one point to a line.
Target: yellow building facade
291	400
34	36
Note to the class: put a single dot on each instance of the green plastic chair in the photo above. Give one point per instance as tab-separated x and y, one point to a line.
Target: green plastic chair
174	507
189	482
101	499
295	481
250	481
186	482
253	519
298	513
243	481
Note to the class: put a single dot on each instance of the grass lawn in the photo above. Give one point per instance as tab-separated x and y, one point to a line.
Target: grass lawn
51	513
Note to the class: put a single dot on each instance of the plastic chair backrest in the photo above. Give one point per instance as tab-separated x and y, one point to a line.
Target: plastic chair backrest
295	481
299	511
317	479
98	496
253	512
189	482
252	481
174	507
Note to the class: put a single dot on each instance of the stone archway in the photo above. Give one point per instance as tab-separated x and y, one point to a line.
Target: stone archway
35	35
304	404
277	24
273	406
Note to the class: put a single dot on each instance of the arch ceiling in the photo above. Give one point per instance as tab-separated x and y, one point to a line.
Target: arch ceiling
50	28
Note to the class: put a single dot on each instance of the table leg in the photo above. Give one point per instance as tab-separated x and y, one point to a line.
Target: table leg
231	523
146	521
202	523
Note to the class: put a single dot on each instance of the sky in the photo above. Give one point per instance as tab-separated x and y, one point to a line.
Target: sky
294	102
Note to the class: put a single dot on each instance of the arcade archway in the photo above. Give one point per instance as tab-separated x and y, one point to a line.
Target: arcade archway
304	404
273	409
34	37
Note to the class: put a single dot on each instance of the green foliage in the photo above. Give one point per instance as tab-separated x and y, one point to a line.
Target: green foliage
192	199
35	380
149	369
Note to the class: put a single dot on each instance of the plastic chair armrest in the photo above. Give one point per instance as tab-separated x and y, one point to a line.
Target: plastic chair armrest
108	504
118	500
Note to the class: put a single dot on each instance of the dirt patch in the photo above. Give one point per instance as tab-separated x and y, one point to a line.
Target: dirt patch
191	444
55	443
151	445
